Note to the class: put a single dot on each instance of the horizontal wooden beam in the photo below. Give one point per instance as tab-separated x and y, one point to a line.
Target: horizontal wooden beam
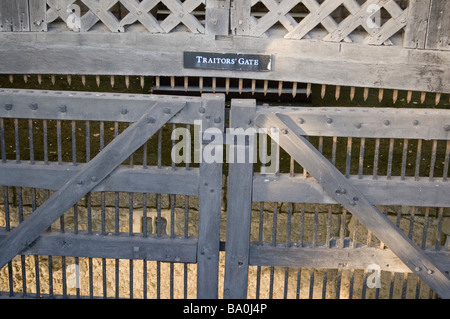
140	53
109	246
337	258
382	191
368	122
91	106
153	180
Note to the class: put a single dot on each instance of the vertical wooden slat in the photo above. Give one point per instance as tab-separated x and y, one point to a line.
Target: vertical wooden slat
210	195
438	36
38	15
217	17
240	176
14	15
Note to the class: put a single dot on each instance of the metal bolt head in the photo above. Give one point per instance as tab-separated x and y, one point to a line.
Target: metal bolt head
201	109
329	120
34	106
430	271
124	111
301	121
151	120
167	110
8	107
217	119
447	128
62	108
417	269
387	122
284	131
416	122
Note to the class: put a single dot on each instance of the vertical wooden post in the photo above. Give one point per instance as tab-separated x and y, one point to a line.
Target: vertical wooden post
14	15
438	36
217	17
38	15
239	206
240	17
210	202
417	24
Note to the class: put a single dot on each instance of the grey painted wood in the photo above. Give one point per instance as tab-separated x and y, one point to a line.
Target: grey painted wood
153	180
337	258
239	206
438	36
14	15
369	122
383	191
356	202
417	24
161	54
38	15
90	176
111	246
210	204
69	105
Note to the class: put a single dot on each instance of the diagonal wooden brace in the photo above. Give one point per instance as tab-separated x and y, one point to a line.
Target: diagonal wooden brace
90	176
337	185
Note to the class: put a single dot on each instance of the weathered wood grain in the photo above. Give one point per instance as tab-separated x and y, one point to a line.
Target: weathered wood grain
315	61
417	24
239	208
438	36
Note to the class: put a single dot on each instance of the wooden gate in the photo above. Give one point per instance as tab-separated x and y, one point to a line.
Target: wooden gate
112	170
314	178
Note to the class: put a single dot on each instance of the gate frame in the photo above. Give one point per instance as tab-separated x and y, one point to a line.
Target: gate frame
240	252
103	173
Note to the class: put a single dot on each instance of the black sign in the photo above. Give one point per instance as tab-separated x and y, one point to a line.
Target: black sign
227	61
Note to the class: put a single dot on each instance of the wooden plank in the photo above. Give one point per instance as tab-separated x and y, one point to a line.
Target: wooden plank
239	206
210	205
152	180
108	246
14	15
217	19
318	62
438	36
393	191
417	24
101	10
369	122
182	13
78	106
89	177
240	17
139	11
38	15
337	258
356	202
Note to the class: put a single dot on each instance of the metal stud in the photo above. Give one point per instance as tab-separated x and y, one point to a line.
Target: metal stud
416	122
167	110
201	109
62	108
329	120
34	106
8	107
301	121
447	128
387	122
217	119
151	120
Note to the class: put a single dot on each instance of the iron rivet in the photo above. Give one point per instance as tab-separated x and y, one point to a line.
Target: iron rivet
301	121
430	272
201	109
418	269
150	120
124	111
358	125
285	131
167	110
34	106
447	128
93	178
80	182
416	122
329	120
8	107
217	120
387	122
249	122
62	108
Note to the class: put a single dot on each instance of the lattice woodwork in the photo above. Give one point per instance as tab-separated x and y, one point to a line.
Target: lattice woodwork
354	16
137	11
